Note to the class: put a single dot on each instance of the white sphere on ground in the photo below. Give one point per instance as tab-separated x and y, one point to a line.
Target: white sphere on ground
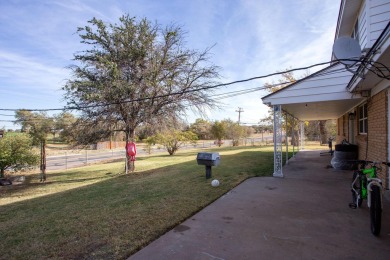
215	183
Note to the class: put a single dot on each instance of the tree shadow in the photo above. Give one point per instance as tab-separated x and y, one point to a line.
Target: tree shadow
76	176
111	202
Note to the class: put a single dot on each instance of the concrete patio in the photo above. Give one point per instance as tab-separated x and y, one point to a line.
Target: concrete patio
304	215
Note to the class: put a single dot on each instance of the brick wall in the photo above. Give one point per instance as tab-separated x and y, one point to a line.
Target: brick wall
377	133
377	130
376	138
342	129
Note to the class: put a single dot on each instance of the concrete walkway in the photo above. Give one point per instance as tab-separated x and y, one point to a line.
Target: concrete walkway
302	216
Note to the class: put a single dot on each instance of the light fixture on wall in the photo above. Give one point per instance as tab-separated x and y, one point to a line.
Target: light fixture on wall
352	116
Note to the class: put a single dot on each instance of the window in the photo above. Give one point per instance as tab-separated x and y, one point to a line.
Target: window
363	126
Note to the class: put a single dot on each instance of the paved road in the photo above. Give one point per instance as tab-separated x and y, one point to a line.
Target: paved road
79	159
84	157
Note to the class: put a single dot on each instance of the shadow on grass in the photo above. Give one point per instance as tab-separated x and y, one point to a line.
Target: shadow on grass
78	175
117	216
227	165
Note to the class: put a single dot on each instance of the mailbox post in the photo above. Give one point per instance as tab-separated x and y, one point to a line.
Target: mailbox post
208	160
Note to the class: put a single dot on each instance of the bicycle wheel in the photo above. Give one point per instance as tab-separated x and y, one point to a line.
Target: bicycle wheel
357	197
376	210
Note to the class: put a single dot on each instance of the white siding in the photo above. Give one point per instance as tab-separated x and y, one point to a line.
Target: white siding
379	17
363	24
329	84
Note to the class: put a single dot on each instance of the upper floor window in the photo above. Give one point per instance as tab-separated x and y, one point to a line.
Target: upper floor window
355	32
363	122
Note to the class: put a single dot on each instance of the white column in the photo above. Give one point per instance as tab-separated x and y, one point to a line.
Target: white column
286	138
278	135
293	135
302	137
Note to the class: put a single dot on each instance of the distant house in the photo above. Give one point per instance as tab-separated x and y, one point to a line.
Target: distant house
358	96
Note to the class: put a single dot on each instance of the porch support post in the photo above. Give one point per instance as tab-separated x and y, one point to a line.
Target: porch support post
278	135
293	135
286	138
301	139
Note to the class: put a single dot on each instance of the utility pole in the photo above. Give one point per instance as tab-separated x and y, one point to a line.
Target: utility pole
240	110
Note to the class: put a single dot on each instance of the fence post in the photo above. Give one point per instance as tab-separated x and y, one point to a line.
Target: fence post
66	160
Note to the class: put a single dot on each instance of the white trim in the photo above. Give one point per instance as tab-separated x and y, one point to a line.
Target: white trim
364	119
329	84
318	97
379	87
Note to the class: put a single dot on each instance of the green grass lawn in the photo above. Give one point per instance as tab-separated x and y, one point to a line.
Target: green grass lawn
95	212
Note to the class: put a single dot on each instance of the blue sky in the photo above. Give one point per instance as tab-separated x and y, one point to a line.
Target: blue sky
251	37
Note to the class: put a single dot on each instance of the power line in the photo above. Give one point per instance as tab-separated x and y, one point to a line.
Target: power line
174	93
224	95
216	96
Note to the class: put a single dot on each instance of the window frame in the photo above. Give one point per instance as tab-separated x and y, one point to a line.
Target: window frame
363	119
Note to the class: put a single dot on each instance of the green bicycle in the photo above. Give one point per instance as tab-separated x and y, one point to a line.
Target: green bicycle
366	185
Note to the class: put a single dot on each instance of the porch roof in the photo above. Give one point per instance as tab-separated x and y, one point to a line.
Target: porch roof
320	96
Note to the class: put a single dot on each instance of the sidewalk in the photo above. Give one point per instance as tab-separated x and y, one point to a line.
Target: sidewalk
302	216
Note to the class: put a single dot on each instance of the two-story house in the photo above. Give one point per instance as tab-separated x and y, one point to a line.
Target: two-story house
356	94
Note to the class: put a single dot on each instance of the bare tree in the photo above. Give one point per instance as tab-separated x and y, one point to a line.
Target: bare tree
135	72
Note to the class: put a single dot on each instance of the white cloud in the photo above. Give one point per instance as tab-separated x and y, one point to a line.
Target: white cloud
252	37
28	72
269	37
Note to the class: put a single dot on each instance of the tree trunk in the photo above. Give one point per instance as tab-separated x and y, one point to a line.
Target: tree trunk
323	137
129	135
294	138
43	161
1	173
